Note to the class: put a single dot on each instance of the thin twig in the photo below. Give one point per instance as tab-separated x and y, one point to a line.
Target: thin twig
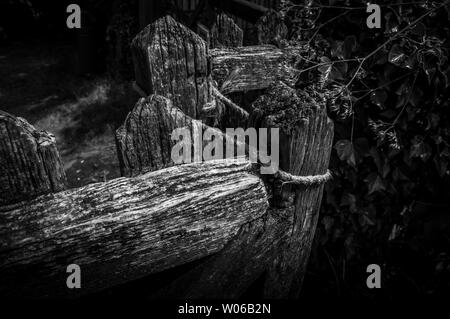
412	24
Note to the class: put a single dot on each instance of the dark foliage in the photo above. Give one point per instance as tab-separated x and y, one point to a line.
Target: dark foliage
387	90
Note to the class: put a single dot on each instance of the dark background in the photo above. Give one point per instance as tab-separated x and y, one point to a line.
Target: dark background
389	200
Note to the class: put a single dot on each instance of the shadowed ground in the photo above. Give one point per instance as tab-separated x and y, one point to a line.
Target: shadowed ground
39	83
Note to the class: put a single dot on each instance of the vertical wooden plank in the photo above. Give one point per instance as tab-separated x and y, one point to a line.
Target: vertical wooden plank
172	61
305	146
30	164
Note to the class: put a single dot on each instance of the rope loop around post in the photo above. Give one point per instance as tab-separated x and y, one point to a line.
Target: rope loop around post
287	178
310	180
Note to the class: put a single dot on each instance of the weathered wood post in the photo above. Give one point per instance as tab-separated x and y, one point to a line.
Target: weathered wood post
30	164
305	147
278	244
172	61
144	140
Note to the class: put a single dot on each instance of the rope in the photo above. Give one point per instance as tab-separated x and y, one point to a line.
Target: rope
228	103
287	178
310	180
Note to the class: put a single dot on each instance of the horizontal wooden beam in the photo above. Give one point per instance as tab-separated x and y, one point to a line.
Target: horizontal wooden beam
126	228
252	67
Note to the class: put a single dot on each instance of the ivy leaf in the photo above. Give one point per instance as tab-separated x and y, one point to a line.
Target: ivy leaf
375	183
346	152
328	222
420	149
396	55
326	64
366	220
337	49
350	46
419	30
378	98
392	23
381	56
395	232
441	166
339	70
362	148
349	200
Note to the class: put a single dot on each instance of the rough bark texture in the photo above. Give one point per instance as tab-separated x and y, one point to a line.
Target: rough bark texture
305	146
172	61
144	140
251	68
271	28
30	164
126	228
225	33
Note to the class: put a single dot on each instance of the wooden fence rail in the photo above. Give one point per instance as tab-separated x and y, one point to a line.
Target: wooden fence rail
125	228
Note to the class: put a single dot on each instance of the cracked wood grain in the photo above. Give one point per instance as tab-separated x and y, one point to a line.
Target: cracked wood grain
126	228
144	140
30	164
251	68
305	146
172	61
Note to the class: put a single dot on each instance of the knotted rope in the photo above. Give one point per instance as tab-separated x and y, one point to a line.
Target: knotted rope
309	180
287	178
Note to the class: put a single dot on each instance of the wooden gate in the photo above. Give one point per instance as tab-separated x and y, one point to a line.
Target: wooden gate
238	224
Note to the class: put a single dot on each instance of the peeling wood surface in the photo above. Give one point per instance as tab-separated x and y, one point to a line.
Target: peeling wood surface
172	61
30	164
126	228
251	68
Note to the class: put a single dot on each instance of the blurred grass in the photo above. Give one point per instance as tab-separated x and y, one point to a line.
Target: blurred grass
38	82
